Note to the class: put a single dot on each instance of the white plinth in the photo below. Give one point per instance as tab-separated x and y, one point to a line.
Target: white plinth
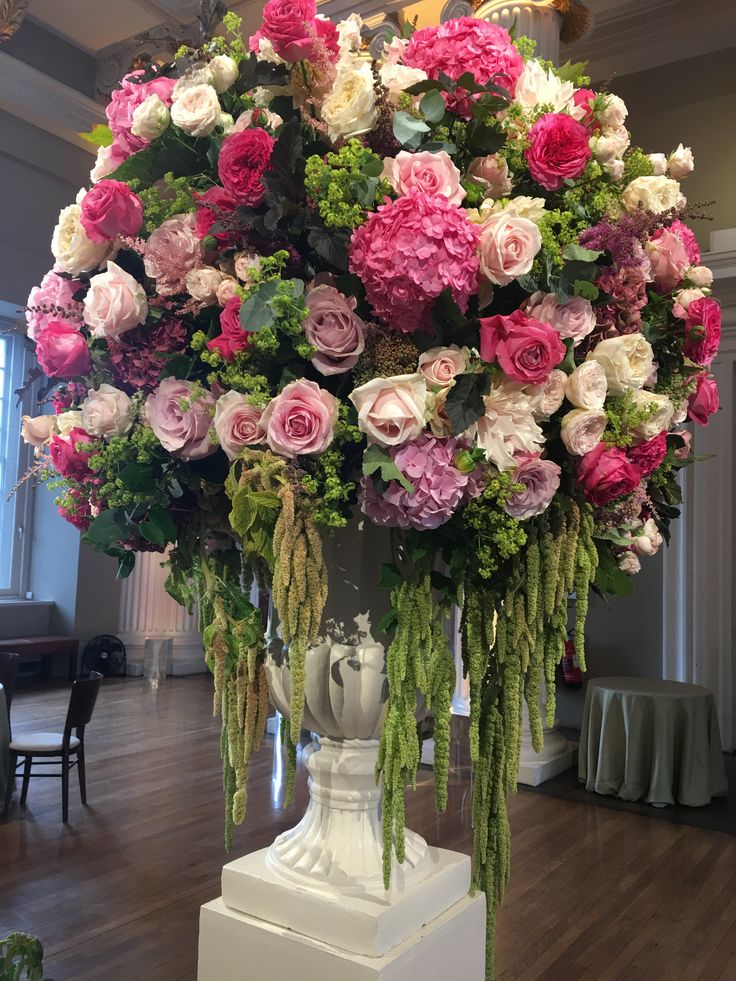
551	762
236	947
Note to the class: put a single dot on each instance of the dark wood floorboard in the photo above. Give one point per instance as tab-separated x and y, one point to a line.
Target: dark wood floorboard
596	894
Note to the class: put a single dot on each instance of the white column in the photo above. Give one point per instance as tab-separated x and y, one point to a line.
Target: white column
536	19
147	610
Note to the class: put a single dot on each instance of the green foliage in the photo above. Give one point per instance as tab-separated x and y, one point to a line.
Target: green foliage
377	460
464	404
625	417
488	535
99	135
171	196
344	185
21	958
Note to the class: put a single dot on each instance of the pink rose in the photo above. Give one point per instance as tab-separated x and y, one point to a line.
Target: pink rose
702	330
668	259
69	456
52	300
575	318
683	299
334	329
237	424
683	452
439	365
62	351
290	27
110	209
108	159
180	415
558	150
172	250
493	173
391	411
300	420
648	455
126	99
433	173
115	302
243	159
215	205
688	239
526	349
508	246
606	474
232	337
582	108
704	401
541	480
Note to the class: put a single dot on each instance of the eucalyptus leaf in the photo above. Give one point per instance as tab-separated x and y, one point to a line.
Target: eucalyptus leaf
408	130
432	106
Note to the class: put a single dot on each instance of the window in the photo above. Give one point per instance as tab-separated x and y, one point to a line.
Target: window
15	459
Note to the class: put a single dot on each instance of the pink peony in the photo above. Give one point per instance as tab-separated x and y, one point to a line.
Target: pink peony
110	209
213	206
409	251
702	330
300	420
291	28
575	318
428	463
243	159
647	456
541	480
172	250
52	300
606	474
508	246
69	457
526	349
125	100
433	173
668	259
237	423
558	150
180	415
334	329
62	351
232	337
704	401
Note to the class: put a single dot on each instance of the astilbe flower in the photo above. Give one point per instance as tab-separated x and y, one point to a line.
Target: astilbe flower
623	512
138	356
623	238
411	249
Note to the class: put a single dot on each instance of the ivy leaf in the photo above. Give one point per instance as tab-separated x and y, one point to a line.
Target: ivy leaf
138	477
285	175
99	135
389	576
483	138
464	404
453	327
158	527
109	527
330	245
408	130
571	71
582	287
372	165
432	106
376	459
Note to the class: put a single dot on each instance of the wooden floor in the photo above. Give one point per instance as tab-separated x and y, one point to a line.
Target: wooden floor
596	895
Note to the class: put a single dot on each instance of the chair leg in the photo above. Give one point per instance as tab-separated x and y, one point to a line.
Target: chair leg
26	779
82	775
11	783
65	788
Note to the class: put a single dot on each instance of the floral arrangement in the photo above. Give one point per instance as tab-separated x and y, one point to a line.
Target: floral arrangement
441	290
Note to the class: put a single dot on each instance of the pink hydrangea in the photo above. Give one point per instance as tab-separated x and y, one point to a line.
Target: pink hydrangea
411	249
126	99
52	300
428	463
138	356
627	289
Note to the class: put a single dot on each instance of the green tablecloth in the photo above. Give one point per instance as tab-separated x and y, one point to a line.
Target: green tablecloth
651	740
4	747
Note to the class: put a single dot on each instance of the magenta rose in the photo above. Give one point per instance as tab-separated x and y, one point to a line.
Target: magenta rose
300	420
52	300
69	456
702	330
541	480
526	349
704	401
180	415
232	337
648	456
213	206
607	474
558	150
290	27
62	351
668	259
334	329
125	99
110	209
243	159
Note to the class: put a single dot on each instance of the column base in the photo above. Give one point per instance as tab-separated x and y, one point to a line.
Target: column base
535	769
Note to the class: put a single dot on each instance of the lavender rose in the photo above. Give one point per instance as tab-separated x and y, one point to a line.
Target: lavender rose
237	423
541	480
334	329
300	420
180	414
172	250
574	318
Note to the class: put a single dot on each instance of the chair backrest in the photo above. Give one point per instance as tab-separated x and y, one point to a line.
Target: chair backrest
9	664
82	701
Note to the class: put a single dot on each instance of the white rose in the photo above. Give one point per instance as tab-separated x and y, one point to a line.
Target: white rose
610	145
656	194
549	396
150	118
398	78
108	159
681	162
349	34
659	164
74	252
115	302
224	71
199	75
627	360
66	421
197	110
629	563
650	540
439	365
245	265
526	207
614	112
226	122
391	411
538	86
107	412
237	424
266	52
228	288
38	430
350	108
202	284
582	430
661	413
700	276
615	169
586	387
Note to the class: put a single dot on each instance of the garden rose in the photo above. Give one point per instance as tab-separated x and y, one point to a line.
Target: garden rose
110	209
246	264
38	430
52	300
224	72
586	387
575	318
334	329
232	337
650	541
627	360
655	194
549	396
492	172
439	365
700	276
107	412
681	162
629	563
196	110
704	401
397	78
237	424
668	259
683	299
73	250
69	419
202	283
610	145
582	429
243	159
508	246
558	150
702	330
526	349
300	420
62	351
660	413
659	164
212	206
172	250
228	289
115	302
350	107
606	474
125	99
180	415
434	173
541	480
150	119
290	27
393	410
69	456
648	455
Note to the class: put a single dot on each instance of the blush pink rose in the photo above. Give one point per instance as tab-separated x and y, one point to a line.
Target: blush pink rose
702	330
508	246
180	415
172	250
575	318
62	351
648	455
115	302
69	454
433	173
52	300
241	164
334	329
526	349
290	26
492	172
300	420
607	474
232	337
558	150
440	365
125	99
668	259
704	401
541	481
391	411
110	209
237	424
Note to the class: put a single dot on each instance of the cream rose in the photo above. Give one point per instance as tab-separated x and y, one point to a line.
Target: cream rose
627	361
199	75
433	173
115	302
246	264
650	540
700	276
398	78
197	110
614	113
659	164
349	37
661	413
66	421
508	246
439	365
681	162
223	71
492	172
656	194
73	251
629	563
237	424
610	145
684	298
393	410
548	397
107	412
38	430
525	207
582	429
350	108
228	288
202	284
586	387
150	118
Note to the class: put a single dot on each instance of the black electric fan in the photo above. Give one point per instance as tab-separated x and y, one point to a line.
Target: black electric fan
106	654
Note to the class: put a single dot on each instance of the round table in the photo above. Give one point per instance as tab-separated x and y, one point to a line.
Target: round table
4	746
652	740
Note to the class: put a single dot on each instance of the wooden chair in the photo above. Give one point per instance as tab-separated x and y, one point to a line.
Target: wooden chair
9	664
48	747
